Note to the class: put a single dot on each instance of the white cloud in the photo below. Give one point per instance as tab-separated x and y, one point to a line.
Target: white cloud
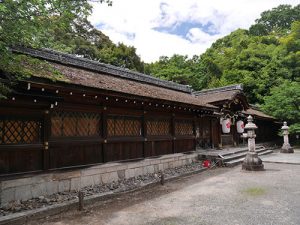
133	21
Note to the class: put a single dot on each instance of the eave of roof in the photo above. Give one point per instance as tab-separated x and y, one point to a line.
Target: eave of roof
103	81
258	113
221	95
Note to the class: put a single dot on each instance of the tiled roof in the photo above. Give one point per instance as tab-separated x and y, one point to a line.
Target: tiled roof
219	94
258	113
103	81
238	87
72	60
93	74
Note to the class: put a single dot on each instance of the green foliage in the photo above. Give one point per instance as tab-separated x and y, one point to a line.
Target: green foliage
60	25
284	103
121	55
277	20
259	62
84	40
265	58
29	22
179	69
22	66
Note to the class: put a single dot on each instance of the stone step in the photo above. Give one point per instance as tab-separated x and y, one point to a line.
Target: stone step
244	150
235	162
241	154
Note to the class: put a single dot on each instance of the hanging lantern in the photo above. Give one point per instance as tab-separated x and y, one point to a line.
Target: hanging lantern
240	126
226	123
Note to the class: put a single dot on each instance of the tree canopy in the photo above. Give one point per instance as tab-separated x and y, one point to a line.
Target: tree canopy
262	58
284	102
177	68
59	25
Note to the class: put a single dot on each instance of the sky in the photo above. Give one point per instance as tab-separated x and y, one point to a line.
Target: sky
166	27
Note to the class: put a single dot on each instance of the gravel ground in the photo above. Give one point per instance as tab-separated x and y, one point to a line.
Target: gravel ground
219	196
119	186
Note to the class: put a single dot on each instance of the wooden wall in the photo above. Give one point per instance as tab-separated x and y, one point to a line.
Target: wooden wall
75	135
73	128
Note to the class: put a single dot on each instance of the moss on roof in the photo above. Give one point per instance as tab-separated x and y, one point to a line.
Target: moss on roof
23	67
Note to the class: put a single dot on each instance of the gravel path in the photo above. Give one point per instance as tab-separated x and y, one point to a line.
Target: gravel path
220	196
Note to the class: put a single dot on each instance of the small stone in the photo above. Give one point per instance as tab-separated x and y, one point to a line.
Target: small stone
46	200
18	202
17	209
7	207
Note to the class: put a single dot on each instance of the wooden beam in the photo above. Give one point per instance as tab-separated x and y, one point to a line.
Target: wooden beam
173	132
104	131
46	134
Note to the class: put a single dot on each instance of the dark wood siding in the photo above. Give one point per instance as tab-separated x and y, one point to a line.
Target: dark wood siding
158	147
18	159
123	151
74	153
184	145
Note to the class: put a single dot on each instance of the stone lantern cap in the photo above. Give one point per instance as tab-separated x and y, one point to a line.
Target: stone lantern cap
250	125
285	126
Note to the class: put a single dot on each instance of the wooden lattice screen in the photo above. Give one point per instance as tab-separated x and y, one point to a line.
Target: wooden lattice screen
123	126
75	124
158	127
20	131
184	127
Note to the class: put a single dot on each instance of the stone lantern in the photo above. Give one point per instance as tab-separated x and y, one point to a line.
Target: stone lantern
251	161
286	147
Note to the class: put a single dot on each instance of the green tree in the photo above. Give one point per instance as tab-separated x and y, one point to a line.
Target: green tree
276	20
284	103
85	40
177	68
259	62
29	23
60	25
121	55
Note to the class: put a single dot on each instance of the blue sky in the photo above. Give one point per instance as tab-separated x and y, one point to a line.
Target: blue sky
167	27
182	28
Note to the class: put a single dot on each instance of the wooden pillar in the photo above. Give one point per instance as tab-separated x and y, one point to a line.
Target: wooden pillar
173	132
195	132
45	138
144	133
212	133
104	132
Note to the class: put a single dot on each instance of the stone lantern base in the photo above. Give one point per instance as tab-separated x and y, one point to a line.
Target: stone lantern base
252	162
286	148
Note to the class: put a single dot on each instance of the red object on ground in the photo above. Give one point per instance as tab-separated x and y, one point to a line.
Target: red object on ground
206	163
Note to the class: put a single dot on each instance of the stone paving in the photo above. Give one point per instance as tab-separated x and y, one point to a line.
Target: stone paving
277	157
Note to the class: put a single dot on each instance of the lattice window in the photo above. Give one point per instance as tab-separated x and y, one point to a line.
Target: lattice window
123	126
184	127
75	124
19	131
158	127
